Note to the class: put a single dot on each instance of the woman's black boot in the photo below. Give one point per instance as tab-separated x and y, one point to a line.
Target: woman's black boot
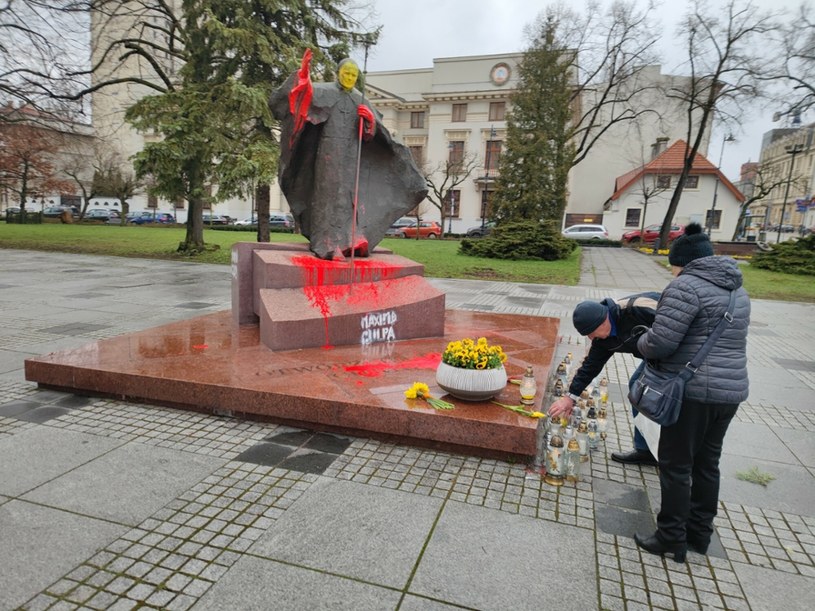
652	545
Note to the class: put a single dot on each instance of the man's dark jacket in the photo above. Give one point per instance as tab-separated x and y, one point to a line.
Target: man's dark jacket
627	313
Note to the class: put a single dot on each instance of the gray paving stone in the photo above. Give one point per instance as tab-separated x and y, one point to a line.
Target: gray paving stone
39	545
792	490
799	443
766	588
756	441
351	529
253	583
131	490
38	455
481	558
417	603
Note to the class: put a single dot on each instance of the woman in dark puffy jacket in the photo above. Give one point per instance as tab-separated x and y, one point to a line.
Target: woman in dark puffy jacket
690	308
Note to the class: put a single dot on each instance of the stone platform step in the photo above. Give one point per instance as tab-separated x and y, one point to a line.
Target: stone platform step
363	313
210	364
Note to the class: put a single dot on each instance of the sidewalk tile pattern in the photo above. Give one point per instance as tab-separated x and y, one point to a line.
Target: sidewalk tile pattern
197	549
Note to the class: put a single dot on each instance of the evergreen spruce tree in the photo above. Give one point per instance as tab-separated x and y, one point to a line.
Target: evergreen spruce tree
535	165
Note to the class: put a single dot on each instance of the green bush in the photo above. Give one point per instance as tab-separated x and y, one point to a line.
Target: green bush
603	243
521	240
793	257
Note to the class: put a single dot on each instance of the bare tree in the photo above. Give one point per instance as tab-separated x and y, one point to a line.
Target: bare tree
609	51
767	179
443	178
27	162
728	55
797	39
41	47
648	188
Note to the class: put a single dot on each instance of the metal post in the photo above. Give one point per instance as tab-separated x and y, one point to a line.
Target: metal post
485	193
792	149
450	216
727	138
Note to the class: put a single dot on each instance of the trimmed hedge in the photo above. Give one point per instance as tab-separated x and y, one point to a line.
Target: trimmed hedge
792	257
521	240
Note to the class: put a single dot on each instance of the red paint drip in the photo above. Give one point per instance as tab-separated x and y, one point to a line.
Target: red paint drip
332	281
374	369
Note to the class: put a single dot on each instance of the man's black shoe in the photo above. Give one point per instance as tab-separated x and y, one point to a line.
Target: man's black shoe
634	457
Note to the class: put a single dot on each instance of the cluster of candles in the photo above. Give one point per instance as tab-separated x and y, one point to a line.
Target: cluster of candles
569	442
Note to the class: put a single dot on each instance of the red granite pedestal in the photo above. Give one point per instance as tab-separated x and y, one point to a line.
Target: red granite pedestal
209	363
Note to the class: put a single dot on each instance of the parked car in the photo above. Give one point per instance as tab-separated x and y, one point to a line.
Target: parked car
246	222
101	214
215	219
284	222
651	233
56	211
585	232
479	231
395	230
426	229
148	216
13	210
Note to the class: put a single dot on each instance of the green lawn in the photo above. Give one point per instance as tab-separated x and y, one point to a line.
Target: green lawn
440	257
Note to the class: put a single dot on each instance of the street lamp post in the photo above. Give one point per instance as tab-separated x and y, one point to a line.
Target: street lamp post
485	194
452	208
791	149
727	138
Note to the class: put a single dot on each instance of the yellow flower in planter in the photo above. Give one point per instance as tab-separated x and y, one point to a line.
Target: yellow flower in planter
469	354
420	390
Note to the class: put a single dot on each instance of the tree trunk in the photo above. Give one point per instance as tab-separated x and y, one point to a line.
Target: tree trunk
263	199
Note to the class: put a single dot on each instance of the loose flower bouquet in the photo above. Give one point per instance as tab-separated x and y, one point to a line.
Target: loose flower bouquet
469	354
420	390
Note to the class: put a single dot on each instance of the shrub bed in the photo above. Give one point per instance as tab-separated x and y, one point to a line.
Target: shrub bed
524	240
792	257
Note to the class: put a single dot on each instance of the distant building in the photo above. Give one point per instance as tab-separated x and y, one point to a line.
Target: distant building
792	203
459	106
641	196
455	109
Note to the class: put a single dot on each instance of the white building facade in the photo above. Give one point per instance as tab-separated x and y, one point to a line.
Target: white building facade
458	107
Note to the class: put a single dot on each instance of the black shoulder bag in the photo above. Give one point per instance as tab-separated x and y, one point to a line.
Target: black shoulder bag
658	395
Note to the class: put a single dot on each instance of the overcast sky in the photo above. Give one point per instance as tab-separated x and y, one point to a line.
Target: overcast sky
416	31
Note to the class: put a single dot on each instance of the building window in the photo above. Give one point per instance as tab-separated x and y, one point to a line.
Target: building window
497	110
178	204
417	120
152	200
717	217
492	154
452	203
632	217
459	113
664	181
692	182
417	152
456	156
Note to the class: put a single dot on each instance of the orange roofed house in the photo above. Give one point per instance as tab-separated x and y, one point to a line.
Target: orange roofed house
646	191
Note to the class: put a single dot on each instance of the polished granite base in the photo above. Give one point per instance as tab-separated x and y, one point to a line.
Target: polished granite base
210	364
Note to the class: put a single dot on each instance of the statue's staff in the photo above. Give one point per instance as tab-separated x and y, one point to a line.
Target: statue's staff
364	114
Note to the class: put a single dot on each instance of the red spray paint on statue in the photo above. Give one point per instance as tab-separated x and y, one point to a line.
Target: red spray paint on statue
327	282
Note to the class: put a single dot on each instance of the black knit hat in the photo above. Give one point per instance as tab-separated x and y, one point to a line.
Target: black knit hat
588	315
691	245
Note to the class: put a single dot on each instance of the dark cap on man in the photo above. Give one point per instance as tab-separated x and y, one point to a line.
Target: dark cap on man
691	245
588	315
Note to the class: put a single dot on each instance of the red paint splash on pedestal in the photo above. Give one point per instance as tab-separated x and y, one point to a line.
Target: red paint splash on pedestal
374	369
327	282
